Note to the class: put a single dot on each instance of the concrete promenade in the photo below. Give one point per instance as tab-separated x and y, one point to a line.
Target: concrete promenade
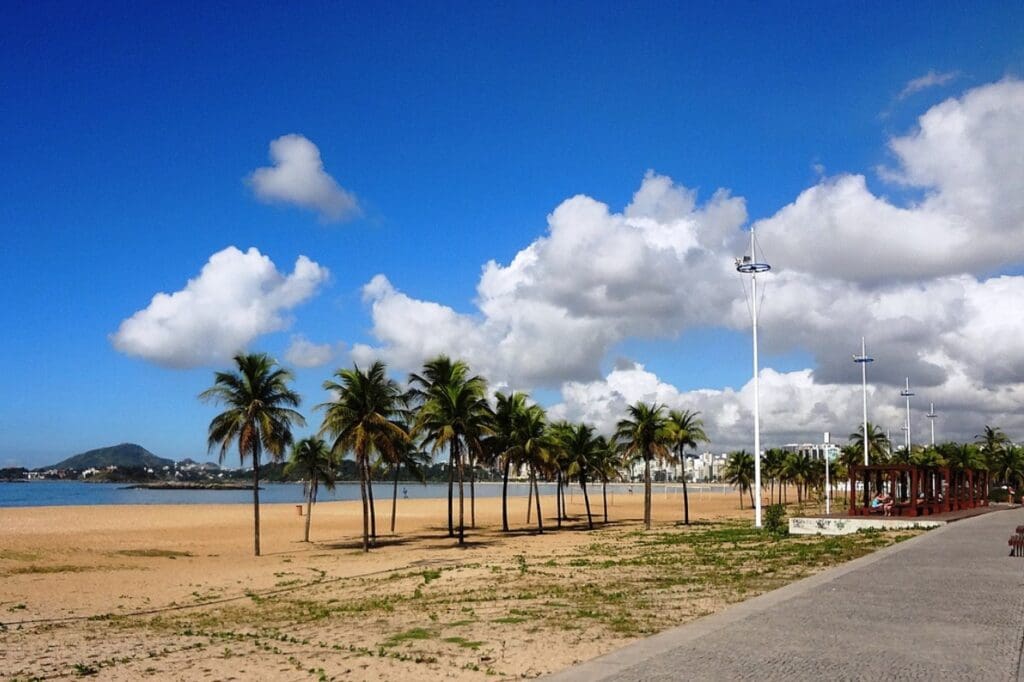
946	605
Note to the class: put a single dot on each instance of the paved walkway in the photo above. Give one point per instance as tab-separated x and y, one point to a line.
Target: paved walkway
947	605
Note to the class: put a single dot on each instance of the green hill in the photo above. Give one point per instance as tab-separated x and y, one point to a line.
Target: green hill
125	455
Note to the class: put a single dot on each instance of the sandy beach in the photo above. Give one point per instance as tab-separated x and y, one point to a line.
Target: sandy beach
174	592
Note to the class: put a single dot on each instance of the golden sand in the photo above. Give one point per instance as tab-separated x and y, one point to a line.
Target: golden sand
118	590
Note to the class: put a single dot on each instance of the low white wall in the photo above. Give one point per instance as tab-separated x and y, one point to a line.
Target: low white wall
804	525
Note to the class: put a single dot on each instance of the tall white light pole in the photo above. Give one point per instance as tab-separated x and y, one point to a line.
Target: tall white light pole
931	417
748	265
863	361
906	394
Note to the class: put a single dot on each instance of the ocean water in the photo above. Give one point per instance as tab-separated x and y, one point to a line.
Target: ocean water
64	493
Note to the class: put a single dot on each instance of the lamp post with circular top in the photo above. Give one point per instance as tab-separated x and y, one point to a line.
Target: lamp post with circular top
906	393
748	265
863	361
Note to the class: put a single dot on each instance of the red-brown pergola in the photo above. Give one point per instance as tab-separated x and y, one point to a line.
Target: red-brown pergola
918	490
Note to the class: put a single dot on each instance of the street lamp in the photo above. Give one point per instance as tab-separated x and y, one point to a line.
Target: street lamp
863	361
931	417
906	394
748	265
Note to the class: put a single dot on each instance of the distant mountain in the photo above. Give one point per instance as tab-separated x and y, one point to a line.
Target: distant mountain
125	455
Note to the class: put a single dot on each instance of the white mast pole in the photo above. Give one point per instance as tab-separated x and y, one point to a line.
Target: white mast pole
757	407
906	393
749	265
863	361
931	417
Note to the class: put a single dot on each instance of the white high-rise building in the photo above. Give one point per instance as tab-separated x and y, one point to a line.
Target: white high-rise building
816	451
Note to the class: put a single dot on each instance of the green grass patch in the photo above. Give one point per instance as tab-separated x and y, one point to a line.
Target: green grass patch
463	642
53	568
408	636
164	553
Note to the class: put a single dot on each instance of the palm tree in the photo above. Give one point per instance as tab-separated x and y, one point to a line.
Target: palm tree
606	464
878	444
438	374
259	416
311	459
454	415
792	471
772	466
539	459
992	442
582	450
506	410
926	457
642	435
684	429
1008	465
849	457
739	473
363	420
558	462
413	459
405	454
519	439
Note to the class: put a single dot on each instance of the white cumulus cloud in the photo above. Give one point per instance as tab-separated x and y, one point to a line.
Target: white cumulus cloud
963	159
237	297
596	278
914	275
298	177
302	352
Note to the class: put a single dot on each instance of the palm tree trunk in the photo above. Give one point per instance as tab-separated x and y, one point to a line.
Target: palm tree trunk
373	510
686	496
686	503
366	507
604	494
536	497
565	505
394	497
451	483
309	506
647	494
529	496
462	515
586	501
472	490
256	499
504	495
750	490
562	486
558	497
741	499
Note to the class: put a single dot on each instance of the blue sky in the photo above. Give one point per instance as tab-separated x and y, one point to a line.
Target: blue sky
131	130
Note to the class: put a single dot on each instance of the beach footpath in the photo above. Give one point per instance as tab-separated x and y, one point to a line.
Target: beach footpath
948	604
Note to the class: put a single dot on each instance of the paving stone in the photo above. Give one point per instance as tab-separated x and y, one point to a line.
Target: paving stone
946	605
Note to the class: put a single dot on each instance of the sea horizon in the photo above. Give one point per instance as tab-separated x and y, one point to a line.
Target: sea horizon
49	493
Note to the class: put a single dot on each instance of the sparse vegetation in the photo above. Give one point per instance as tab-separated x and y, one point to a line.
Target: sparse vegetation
616	584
